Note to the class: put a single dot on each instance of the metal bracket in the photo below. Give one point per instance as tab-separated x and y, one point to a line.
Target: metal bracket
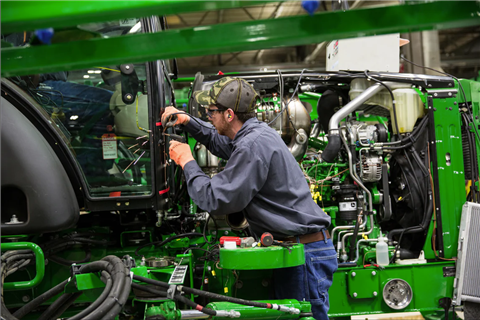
442	94
171	291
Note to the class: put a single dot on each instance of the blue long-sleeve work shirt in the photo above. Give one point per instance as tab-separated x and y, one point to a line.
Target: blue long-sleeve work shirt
261	179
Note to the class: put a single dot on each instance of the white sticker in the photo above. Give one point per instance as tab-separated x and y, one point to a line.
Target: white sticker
109	146
348	206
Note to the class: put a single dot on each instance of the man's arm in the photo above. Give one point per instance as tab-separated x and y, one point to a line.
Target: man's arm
230	190
206	134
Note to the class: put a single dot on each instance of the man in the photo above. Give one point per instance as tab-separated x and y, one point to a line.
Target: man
263	180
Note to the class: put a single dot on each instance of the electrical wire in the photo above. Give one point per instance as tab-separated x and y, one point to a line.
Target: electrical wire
293	95
391	95
459	84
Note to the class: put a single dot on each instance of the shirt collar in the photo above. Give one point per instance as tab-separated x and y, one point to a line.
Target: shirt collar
244	129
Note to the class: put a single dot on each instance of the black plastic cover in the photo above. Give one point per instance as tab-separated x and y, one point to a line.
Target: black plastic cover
35	186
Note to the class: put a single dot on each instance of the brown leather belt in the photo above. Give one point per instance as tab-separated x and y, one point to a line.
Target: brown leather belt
309	238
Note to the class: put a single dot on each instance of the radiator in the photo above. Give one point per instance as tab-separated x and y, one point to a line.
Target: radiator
467	278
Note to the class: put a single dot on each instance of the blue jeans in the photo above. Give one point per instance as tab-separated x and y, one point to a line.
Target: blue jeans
311	280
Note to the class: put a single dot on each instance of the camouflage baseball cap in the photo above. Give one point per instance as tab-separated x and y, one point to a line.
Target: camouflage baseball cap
234	93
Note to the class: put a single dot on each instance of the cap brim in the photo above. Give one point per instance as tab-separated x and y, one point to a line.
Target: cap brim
203	97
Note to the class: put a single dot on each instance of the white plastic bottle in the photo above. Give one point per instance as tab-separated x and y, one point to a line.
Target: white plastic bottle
382	252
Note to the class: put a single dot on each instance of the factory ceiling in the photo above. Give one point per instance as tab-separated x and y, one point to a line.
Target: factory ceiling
459	49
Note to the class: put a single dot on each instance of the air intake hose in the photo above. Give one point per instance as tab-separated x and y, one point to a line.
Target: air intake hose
332	149
334	142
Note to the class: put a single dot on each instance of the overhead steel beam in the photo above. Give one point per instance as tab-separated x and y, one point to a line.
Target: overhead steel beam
19	16
241	36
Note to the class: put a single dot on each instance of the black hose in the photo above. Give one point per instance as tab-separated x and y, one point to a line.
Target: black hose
157	292
26	309
117	271
5	313
122	300
66	305
332	148
107	279
194	305
161	243
423	226
204	293
52	309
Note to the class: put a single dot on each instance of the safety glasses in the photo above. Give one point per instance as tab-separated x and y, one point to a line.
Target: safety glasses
211	112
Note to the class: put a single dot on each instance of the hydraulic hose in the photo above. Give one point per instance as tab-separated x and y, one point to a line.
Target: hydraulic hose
60	310
115	310
107	279
116	268
177	297
53	308
161	243
206	293
26	309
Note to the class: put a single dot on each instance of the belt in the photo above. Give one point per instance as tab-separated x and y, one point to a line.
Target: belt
309	238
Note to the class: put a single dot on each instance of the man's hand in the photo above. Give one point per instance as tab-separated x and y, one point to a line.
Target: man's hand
180	153
169	117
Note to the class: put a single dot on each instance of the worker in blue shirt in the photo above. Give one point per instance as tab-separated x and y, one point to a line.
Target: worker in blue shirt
261	179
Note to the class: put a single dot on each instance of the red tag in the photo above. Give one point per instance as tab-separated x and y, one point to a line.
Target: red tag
115	194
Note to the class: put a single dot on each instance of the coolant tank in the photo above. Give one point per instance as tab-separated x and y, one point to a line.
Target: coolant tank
409	108
408	103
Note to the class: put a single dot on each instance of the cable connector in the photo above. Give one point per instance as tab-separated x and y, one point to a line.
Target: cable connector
228	314
285	309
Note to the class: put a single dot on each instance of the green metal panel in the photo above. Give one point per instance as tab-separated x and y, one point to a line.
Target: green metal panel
426	280
242	36
261	257
451	177
39	264
30	15
363	283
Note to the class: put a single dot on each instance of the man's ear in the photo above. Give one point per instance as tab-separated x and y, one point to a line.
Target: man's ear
230	115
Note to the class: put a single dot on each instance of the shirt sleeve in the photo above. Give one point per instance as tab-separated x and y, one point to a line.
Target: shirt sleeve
206	134
230	190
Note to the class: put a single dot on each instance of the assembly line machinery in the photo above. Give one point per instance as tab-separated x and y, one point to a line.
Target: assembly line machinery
96	220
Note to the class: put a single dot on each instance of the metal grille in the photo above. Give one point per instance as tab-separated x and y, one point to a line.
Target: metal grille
467	280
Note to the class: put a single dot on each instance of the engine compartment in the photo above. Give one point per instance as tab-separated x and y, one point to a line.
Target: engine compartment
377	168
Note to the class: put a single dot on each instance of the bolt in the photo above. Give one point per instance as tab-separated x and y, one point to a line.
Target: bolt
355	294
375	293
118	204
450	94
127	203
430	85
435	94
353	274
373	273
26	298
127	67
226	233
129	96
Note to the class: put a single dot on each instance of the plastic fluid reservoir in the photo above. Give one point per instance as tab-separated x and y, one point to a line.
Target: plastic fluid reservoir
408	104
382	252
409	107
